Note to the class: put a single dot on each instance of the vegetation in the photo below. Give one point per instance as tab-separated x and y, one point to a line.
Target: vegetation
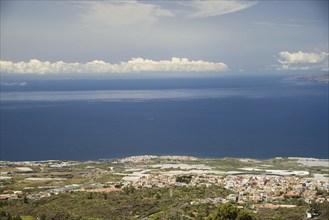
282	213
8	216
184	179
229	211
322	192
322	209
155	203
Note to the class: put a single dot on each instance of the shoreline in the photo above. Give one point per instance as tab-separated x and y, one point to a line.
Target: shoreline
173	157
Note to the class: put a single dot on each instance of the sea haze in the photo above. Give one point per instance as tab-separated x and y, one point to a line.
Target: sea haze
229	116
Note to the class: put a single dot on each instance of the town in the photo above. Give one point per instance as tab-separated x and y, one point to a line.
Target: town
252	184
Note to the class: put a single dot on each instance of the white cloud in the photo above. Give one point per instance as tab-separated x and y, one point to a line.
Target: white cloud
273	24
116	13
214	8
303	60
302	57
122	13
134	65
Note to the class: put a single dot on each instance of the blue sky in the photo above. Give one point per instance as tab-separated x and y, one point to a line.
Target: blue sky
167	37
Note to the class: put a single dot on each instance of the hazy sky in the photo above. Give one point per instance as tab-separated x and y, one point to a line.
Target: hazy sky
163	36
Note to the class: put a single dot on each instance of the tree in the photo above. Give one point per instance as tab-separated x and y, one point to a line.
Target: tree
3	203
43	217
17	217
184	179
229	211
9	216
25	200
128	190
244	216
322	209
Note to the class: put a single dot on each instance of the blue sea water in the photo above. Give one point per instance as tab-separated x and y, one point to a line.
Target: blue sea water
257	117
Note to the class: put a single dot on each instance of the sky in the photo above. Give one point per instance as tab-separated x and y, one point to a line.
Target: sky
184	38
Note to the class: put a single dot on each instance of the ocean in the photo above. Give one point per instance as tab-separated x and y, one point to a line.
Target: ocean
229	116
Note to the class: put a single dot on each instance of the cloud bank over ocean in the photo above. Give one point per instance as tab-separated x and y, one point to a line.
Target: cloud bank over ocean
135	65
317	60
